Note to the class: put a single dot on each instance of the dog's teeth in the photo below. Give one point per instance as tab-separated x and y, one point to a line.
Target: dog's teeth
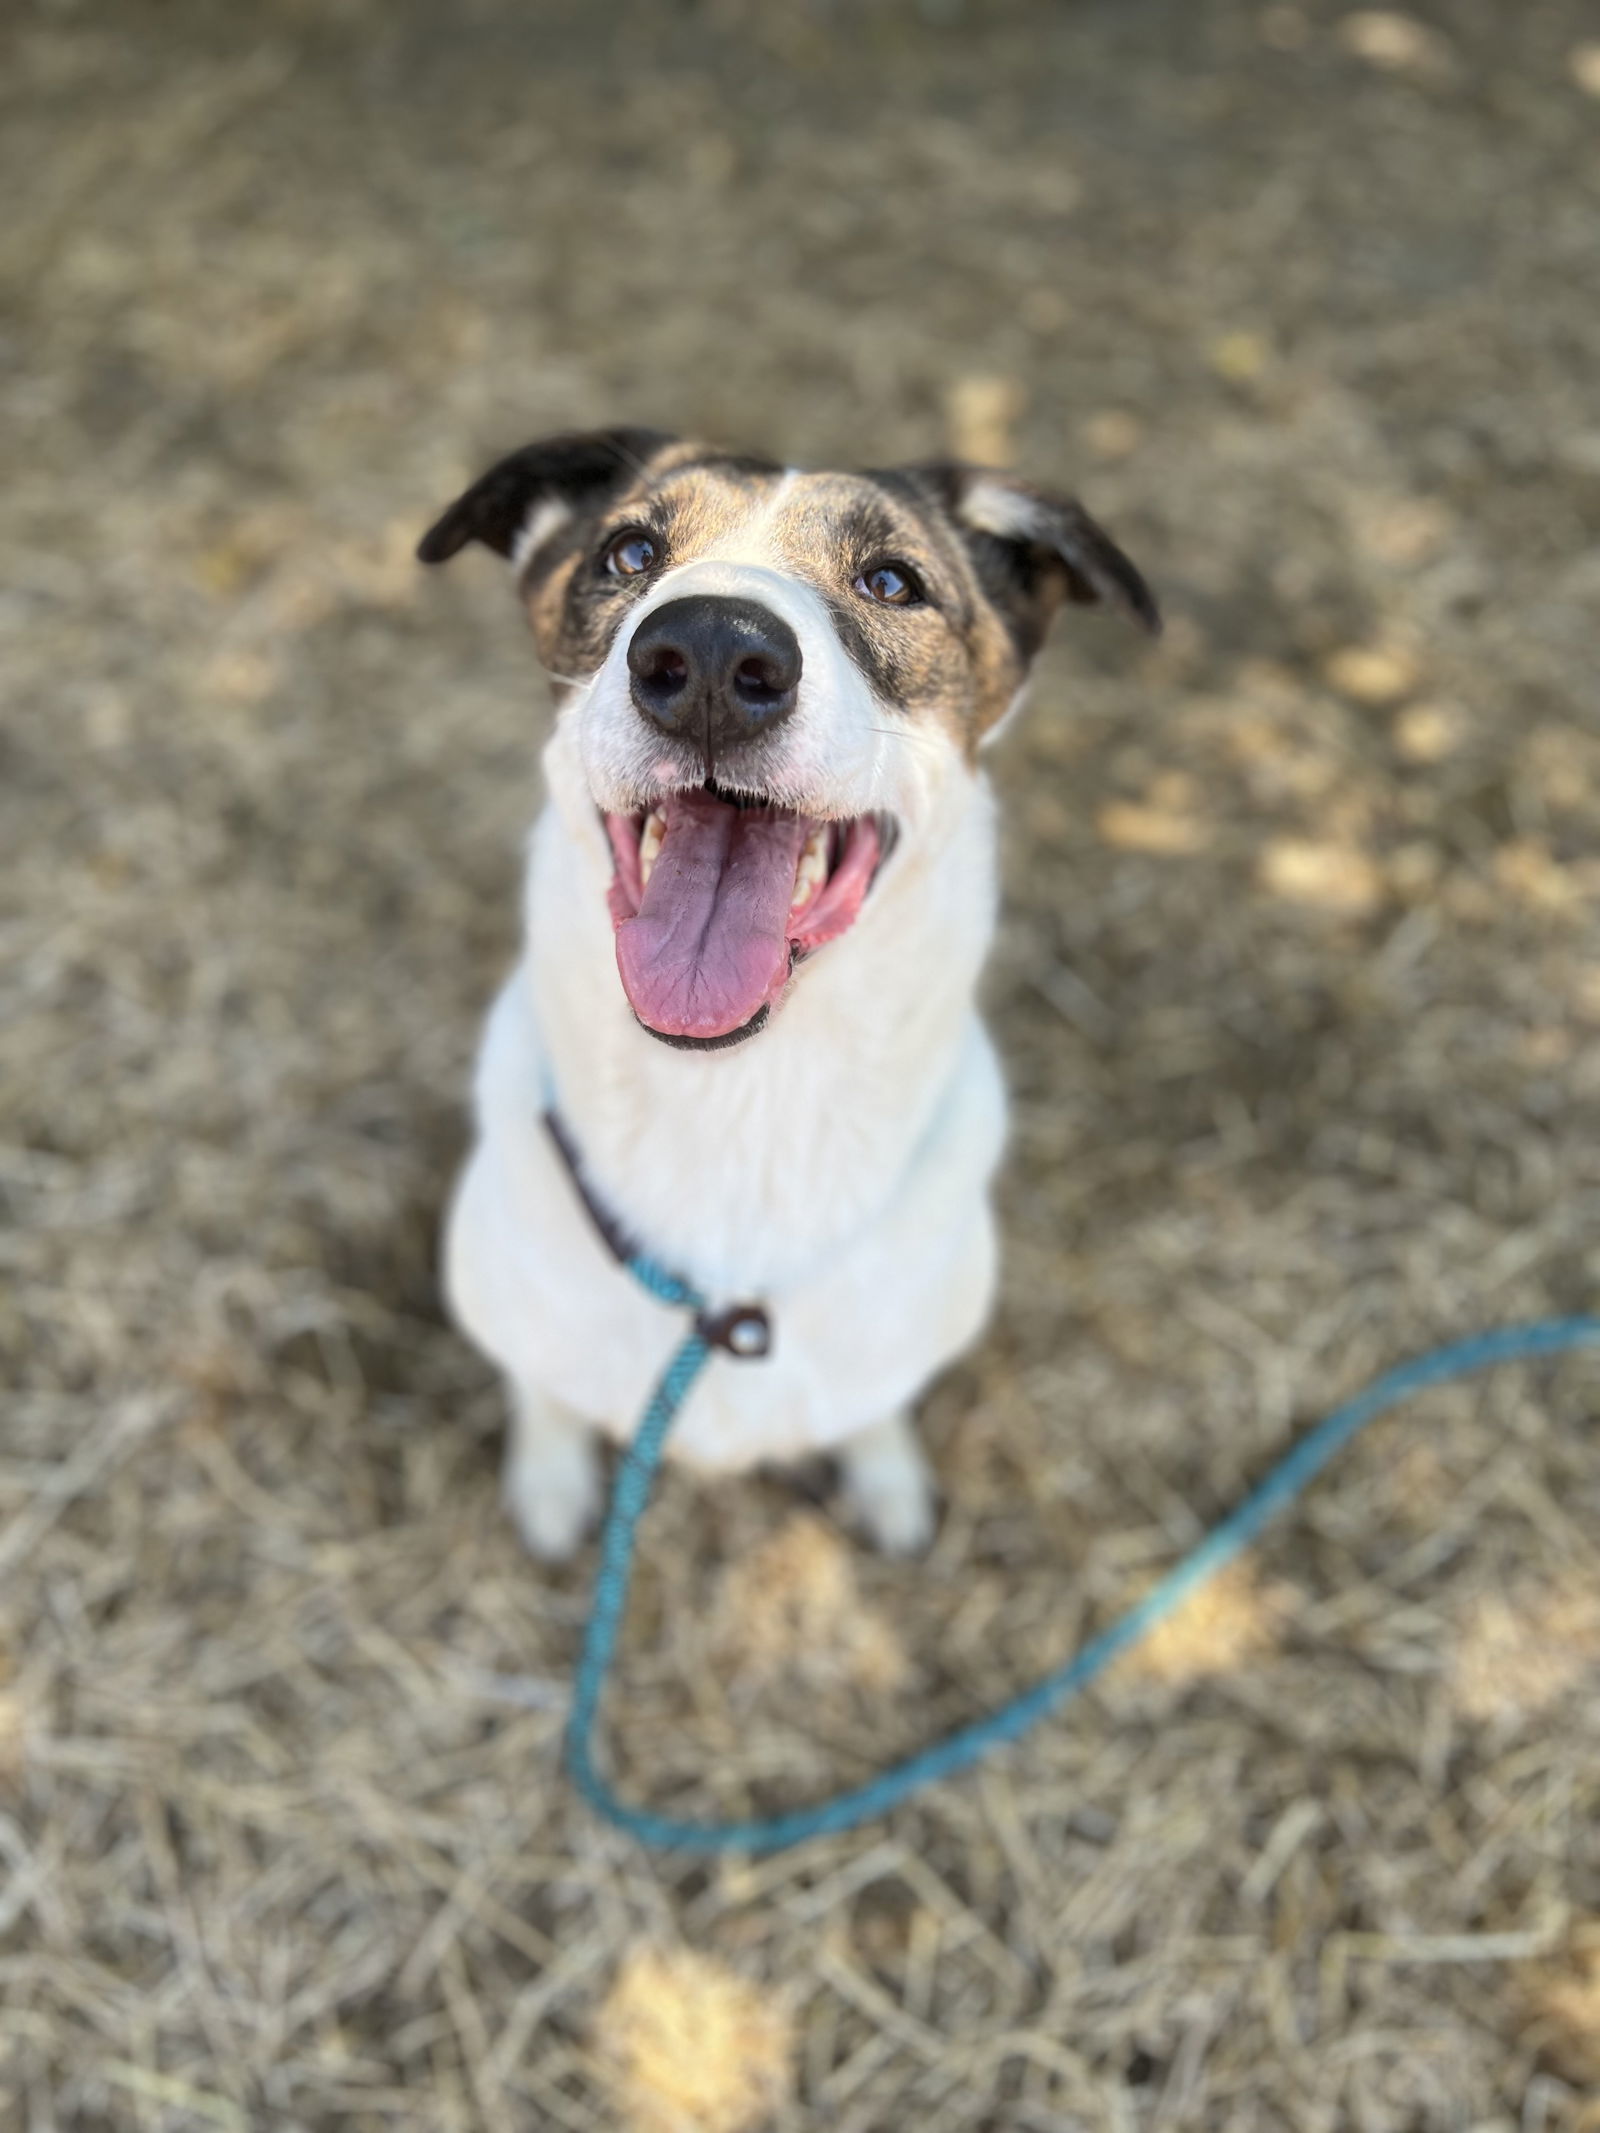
813	869
655	829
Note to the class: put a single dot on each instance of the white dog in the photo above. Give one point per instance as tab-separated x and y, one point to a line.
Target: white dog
743	1033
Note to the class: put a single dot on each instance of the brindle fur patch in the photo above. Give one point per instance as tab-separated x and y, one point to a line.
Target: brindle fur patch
689	499
950	657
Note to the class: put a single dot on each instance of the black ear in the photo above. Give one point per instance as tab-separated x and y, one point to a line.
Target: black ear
1032	549
580	464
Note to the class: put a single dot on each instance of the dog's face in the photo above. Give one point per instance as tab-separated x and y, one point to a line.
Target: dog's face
772	677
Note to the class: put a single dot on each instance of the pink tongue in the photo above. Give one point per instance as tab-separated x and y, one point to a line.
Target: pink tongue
710	944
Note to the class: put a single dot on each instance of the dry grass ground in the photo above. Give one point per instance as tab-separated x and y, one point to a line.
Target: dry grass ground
1298	989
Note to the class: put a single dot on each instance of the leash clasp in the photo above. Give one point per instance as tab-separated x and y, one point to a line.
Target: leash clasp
743	1329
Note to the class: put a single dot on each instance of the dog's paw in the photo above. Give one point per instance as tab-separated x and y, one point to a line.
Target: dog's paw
888	1488
551	1487
899	1518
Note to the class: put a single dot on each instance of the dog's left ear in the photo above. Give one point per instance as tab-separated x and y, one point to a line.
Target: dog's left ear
1033	549
579	467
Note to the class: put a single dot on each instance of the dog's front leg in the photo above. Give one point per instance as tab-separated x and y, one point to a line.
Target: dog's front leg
888	1486
551	1482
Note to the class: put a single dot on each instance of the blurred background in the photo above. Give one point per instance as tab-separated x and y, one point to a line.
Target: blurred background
1297	991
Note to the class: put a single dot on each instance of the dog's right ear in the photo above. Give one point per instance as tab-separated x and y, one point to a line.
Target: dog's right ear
1033	548
581	466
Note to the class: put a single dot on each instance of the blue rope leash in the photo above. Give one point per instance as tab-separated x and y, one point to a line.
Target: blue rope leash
1295	1471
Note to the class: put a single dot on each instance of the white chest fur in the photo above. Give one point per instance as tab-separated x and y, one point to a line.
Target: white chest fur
835	1166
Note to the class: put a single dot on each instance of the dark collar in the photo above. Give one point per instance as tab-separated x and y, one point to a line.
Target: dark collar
612	1235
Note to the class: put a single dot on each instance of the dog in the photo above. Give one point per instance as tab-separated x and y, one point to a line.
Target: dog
743	1034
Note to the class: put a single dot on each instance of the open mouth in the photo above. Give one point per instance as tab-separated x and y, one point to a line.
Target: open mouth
716	897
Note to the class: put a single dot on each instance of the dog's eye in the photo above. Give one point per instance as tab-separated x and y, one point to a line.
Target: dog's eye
630	553
892	584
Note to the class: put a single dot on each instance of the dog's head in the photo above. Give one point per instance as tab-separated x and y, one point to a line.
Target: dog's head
771	677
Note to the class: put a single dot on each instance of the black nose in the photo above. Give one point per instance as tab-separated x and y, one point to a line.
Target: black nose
714	672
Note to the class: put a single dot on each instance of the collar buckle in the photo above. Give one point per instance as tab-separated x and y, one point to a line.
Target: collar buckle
744	1330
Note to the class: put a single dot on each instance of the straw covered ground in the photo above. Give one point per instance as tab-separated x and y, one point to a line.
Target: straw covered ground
1297	990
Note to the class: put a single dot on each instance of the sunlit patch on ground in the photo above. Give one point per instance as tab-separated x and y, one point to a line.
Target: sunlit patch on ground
1562	1999
693	2047
1522	1651
792	1607
1337	878
1235	1620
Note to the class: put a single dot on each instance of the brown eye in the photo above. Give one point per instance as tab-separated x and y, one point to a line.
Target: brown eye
630	554
894	584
